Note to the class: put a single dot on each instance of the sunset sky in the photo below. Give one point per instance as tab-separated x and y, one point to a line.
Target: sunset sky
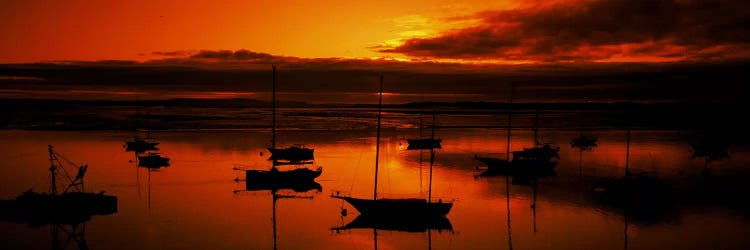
474	41
510	31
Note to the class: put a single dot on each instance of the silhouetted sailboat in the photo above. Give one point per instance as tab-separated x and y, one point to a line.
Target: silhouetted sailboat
294	153
395	208
139	144
537	160
423	143
72	206
540	157
634	188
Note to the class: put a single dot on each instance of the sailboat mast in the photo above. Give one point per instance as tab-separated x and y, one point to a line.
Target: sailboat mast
432	160
52	169
536	127
377	141
273	109
627	154
507	151
273	194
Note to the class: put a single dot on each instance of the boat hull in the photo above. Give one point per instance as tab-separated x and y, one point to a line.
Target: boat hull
429	143
281	178
528	167
294	153
140	146
153	161
69	208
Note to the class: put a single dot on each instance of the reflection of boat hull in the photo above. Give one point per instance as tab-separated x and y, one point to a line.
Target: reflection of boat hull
153	161
427	143
583	142
140	146
528	167
281	178
299	187
68	208
399	223
398	207
293	153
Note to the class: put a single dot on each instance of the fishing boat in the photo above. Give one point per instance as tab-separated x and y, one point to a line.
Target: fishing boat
389	207
71	206
294	153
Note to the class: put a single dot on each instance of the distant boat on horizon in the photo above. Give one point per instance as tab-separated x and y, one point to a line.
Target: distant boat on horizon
395	208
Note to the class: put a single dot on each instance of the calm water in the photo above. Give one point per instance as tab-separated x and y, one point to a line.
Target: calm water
192	204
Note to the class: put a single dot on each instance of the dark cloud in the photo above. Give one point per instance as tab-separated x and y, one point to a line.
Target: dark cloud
598	30
173	53
233	55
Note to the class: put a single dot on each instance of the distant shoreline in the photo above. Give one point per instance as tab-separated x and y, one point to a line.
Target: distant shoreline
252	114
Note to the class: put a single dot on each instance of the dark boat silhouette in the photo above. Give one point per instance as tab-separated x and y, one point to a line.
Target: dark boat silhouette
583	142
421	142
72	206
541	155
140	145
636	191
377	207
153	160
538	160
281	178
295	156
710	148
294	153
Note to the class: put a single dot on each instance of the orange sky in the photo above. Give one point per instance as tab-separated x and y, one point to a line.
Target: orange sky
132	30
510	31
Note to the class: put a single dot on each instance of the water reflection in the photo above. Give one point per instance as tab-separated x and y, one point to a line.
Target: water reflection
546	212
298	192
